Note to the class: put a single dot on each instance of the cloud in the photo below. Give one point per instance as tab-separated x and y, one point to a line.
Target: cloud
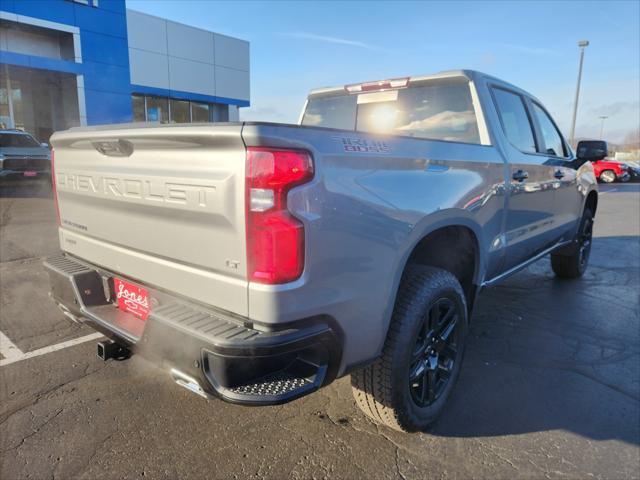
333	40
614	108
268	110
267	113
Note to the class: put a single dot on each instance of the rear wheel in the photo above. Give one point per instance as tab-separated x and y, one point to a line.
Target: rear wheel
408	386
608	176
572	263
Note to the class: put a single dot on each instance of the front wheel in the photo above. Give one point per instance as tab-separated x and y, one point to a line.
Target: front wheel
408	386
608	176
572	263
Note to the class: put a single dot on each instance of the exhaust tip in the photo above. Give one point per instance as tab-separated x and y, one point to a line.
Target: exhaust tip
188	382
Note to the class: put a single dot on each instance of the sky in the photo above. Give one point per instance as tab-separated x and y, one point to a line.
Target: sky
298	46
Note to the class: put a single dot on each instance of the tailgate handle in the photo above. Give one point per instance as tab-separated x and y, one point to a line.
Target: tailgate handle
113	148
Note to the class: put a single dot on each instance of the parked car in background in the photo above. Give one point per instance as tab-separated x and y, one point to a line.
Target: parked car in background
258	261
23	157
609	171
634	169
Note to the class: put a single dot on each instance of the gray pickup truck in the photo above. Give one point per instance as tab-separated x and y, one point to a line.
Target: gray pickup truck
258	262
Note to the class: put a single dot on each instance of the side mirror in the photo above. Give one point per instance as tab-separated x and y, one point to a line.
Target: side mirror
592	150
44	144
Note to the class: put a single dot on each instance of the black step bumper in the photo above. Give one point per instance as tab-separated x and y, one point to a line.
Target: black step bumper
206	351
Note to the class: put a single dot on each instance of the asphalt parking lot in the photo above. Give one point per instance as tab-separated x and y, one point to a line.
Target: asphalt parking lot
550	387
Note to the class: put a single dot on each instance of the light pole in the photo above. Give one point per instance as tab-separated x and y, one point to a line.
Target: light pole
603	118
582	44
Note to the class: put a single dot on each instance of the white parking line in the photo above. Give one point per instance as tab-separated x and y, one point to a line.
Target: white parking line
12	357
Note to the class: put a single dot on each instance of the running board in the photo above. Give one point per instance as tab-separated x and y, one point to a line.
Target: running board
517	268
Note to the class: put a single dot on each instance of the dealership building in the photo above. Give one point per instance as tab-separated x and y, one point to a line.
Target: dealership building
66	63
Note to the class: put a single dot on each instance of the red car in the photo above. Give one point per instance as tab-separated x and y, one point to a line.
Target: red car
608	171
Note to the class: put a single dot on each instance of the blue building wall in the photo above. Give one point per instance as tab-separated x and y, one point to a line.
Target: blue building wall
104	47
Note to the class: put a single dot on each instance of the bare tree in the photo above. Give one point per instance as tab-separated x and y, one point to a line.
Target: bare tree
632	139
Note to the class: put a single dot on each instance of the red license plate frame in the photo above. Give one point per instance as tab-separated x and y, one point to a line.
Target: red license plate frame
132	298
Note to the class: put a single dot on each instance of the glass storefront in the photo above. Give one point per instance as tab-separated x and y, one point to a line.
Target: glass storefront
40	101
199	112
180	111
138	108
149	108
157	109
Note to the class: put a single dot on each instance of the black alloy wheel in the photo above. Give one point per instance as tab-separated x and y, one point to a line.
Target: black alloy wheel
434	354
584	242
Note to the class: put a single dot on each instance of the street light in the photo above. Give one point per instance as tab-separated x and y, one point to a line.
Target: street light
603	118
582	44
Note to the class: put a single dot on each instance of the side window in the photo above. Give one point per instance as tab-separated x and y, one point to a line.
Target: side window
515	121
552	139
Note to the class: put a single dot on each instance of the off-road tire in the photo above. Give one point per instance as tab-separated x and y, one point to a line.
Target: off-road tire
571	262
381	389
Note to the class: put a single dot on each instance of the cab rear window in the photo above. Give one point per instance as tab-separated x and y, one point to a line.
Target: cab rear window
438	109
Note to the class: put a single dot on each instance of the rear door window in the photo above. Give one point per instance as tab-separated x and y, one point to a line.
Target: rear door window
515	121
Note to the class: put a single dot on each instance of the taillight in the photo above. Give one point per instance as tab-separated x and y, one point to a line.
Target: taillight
275	238
54	189
376	86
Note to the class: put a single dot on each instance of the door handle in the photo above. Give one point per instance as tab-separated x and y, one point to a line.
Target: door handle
520	175
559	174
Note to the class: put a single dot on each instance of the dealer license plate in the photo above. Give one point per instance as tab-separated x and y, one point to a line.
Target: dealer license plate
132	298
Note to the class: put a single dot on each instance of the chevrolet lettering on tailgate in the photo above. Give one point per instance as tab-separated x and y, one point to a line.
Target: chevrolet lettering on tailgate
152	190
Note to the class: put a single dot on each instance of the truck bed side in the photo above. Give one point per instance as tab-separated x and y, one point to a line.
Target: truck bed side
371	201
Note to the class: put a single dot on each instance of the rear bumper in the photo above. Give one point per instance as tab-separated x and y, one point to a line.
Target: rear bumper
209	352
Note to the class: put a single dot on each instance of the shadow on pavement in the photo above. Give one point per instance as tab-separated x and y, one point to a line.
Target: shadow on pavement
32	189
547	354
629	187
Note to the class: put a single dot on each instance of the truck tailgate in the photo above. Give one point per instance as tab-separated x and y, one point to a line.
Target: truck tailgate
163	205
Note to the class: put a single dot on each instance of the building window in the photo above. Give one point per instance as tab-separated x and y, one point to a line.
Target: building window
138	108
93	3
220	113
147	108
157	109
6	119
180	111
38	41
199	112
